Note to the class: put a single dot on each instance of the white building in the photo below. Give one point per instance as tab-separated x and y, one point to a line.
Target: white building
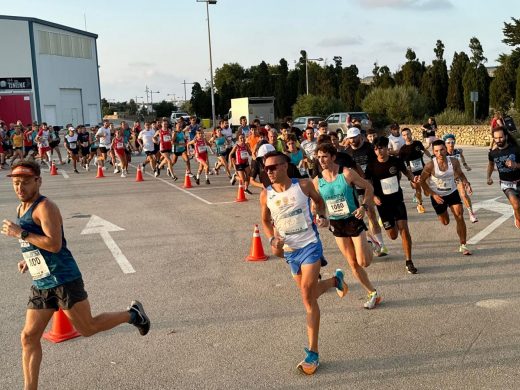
48	73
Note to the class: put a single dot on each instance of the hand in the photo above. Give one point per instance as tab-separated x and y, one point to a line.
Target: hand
322	222
489	181
438	199
22	266
413	184
417	179
468	188
278	242
511	164
377	201
468	168
359	213
11	229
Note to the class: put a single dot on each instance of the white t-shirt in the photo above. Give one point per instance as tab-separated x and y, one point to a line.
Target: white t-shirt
395	143
104	134
147	137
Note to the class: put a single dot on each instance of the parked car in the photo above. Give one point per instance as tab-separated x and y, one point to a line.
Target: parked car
302	121
339	122
177	114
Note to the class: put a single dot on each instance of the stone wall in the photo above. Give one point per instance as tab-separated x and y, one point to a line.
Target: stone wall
477	135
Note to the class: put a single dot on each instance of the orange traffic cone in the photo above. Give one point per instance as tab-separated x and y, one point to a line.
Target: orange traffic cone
54	170
139	174
62	329
257	250
241	195
99	172
187	181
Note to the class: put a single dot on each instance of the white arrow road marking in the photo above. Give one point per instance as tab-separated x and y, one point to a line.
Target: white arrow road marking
65	174
497	207
97	225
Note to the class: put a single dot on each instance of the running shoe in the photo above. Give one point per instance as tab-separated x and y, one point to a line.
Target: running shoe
414	199
175	178
191	175
248	191
123	174
376	248
383	252
464	250
141	322
472	217
310	364
87	167
373	300
68	160
156	172
116	170
76	171
207	181
233	179
420	208
341	285
410	267
168	172
197	180
380	222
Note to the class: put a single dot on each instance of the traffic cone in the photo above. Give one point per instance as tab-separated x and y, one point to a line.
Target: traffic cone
257	250
139	174
54	170
62	329
99	172
241	195
187	181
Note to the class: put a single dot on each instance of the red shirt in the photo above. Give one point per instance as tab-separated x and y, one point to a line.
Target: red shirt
165	139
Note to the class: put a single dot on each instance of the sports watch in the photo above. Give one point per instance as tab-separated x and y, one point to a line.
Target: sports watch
24	234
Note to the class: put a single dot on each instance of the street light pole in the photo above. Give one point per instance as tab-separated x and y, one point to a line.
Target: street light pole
307	70
208	2
151	97
184	82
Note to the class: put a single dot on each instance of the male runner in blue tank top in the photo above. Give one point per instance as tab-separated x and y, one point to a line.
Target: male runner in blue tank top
295	236
56	279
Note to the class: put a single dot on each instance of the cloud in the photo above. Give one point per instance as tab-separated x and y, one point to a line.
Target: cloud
340	41
419	5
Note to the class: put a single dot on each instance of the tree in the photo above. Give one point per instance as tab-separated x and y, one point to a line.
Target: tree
132	107
349	86
499	91
434	84
200	101
517	94
316	105
382	76
455	99
512	33
476	79
412	70
477	53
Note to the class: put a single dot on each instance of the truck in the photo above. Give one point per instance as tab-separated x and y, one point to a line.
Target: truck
252	108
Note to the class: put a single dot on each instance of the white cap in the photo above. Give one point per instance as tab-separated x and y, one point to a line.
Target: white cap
71	128
264	149
353	132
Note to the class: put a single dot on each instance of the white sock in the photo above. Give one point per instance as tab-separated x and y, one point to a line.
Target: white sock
379	237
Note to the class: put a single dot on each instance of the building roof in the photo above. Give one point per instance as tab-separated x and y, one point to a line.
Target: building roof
50	24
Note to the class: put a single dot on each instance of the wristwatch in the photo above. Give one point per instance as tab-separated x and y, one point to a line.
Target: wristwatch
364	205
24	234
271	240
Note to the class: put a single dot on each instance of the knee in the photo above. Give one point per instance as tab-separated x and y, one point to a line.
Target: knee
29	338
392	234
308	297
85	331
363	261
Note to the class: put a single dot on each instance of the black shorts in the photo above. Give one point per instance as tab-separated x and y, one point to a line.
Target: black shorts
417	173
349	227
169	151
148	153
85	151
241	167
156	148
74	151
392	212
63	296
103	149
449	200
18	148
53	144
179	154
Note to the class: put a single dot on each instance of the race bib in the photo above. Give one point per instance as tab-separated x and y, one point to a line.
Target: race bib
244	155
390	185
441	185
36	264
506	185
363	167
72	145
292	223
85	144
120	145
202	149
166	138
337	207
416	165
44	143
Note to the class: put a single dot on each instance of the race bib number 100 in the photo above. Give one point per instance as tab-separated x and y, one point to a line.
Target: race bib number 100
36	264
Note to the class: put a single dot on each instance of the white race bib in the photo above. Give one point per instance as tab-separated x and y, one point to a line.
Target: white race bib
416	165
292	223
506	185
166	138
441	185
390	185
363	167
120	145
72	145
337	207
85	144
202	148
36	264
244	155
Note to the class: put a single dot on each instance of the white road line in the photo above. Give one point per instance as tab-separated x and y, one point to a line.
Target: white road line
488	229
120	258
65	174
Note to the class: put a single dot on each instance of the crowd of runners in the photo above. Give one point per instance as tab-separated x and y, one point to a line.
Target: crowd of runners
309	179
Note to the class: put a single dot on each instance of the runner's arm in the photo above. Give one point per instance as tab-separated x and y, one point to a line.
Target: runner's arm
267	224
425	175
308	189
464	161
354	179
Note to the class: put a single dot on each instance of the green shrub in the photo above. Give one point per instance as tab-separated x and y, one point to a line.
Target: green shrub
451	116
307	105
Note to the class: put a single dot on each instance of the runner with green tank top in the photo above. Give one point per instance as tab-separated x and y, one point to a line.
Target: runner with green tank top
346	215
221	144
179	147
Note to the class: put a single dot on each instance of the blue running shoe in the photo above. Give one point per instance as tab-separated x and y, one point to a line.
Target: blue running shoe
341	285
310	364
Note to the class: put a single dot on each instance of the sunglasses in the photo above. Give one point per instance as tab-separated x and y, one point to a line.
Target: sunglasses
450	142
272	167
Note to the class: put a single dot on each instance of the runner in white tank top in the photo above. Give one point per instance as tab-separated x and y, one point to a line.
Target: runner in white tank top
438	179
287	202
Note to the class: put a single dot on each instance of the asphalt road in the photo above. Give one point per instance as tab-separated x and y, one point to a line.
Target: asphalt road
221	322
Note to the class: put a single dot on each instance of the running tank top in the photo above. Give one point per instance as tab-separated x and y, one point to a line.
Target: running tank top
220	143
165	140
339	197
443	183
48	270
44	139
180	142
200	148
292	216
242	155
456	154
17	140
119	145
72	140
297	157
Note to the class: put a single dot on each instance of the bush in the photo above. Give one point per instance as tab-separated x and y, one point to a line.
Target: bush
451	116
307	105
402	104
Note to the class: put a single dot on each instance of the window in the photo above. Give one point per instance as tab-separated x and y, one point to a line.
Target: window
343	118
64	45
333	119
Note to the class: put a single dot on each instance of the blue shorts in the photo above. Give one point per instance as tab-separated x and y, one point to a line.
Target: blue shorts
309	254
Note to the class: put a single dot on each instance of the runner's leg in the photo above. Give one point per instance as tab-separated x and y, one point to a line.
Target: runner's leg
348	248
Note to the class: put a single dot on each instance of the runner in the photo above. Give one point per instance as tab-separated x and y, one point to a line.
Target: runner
201	147
103	136
362	153
506	157
412	155
337	188
438	180
44	150
84	144
179	146
295	236
242	152
384	173
449	140
56	279
309	147
119	148
221	145
253	139
30	148
17	142
146	144
94	145
164	135
429	129
54	142
395	140
295	153
243	128
71	144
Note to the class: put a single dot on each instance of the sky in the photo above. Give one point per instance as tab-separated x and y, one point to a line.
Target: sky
162	43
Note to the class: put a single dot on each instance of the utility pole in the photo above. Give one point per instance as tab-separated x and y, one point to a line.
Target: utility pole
184	82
